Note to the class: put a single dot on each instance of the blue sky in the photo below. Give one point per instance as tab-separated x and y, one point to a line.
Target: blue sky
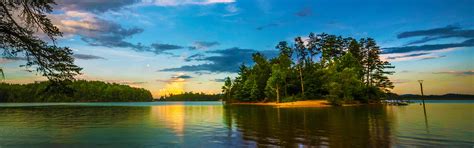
170	46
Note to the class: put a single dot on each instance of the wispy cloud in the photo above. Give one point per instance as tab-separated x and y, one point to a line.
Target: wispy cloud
159	48
304	12
457	73
433	57
87	57
218	80
400	81
406	56
203	45
94	5
437	33
196	57
426	51
434	47
185	2
179	77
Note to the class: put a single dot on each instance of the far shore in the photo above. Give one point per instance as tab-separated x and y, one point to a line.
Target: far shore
307	103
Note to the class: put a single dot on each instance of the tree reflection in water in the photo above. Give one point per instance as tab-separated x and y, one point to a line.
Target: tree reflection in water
358	126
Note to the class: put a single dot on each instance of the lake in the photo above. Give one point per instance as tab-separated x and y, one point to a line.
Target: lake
210	124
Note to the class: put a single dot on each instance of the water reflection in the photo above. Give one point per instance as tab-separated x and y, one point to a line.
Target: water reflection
170	116
334	127
204	124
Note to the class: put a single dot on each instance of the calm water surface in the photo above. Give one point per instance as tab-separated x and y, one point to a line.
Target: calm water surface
209	124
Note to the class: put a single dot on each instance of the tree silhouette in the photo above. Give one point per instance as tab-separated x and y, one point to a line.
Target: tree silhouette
20	22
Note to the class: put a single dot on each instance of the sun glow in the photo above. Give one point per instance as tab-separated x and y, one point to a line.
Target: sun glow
175	87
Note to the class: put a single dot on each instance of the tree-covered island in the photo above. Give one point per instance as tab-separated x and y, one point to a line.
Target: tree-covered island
321	66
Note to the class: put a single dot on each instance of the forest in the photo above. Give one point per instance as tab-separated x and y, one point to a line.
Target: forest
76	91
320	66
191	96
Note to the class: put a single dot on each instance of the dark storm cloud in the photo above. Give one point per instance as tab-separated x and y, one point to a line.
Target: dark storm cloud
426	48
227	60
437	33
87	57
203	45
304	12
407	56
94	5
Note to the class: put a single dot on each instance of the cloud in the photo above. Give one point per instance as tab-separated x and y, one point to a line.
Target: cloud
94	5
96	31
406	56
304	12
196	57
227	60
132	82
400	81
179	77
267	26
182	76
162	48
185	2
9	59
219	80
426	48
437	33
87	57
405	71
203	45
14	58
457	73
433	57
425	51
101	6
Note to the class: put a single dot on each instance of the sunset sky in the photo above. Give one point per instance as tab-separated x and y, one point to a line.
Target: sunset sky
171	46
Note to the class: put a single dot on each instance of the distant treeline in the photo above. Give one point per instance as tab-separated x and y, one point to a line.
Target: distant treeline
438	97
76	91
191	96
321	66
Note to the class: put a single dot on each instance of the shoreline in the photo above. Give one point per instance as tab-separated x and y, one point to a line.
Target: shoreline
306	103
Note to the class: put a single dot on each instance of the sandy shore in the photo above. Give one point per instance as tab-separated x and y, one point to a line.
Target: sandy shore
308	103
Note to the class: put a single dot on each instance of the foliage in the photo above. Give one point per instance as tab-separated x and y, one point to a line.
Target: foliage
82	91
190	96
20	22
342	70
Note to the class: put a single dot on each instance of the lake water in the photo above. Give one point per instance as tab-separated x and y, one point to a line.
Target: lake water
209	124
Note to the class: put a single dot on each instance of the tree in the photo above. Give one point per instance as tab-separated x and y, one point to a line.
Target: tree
275	81
260	74
330	66
19	22
227	89
284	59
374	69
3	75
344	84
301	56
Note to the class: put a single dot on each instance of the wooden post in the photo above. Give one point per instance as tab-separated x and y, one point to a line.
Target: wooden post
424	108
